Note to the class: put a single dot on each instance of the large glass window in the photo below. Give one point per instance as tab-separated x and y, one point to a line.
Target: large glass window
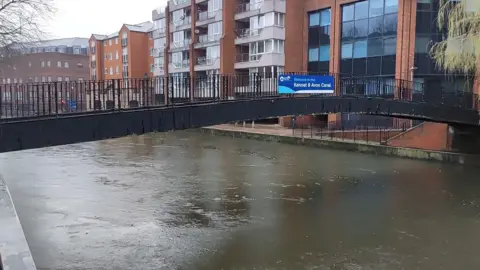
369	37
319	41
426	70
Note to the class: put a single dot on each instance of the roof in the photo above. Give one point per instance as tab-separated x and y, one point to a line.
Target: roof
141	27
103	37
69	42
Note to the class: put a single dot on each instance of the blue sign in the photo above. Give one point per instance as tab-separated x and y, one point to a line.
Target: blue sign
305	84
73	104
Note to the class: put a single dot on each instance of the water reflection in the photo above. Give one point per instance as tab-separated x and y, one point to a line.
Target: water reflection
189	201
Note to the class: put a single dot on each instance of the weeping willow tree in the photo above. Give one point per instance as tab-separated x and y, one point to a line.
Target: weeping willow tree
460	50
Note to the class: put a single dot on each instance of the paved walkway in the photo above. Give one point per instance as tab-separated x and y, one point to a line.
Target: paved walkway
14	251
281	131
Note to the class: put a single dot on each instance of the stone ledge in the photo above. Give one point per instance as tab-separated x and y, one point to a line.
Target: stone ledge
411	153
14	251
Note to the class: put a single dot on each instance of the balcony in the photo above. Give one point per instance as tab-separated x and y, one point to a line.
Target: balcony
183	66
124	42
247	10
180	45
178	4
245	36
182	24
125	59
159	70
158	33
159	52
158	14
206	17
204	63
207	40
246	60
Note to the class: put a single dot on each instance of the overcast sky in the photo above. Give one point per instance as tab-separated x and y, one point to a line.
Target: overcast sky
81	18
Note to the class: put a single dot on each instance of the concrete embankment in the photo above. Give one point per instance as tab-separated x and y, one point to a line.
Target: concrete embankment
277	135
14	251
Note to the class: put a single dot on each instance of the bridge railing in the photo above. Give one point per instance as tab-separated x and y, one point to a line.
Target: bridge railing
34	99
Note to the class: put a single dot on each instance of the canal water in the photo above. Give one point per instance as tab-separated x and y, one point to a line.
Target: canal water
184	200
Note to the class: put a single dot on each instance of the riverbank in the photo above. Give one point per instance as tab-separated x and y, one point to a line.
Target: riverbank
14	250
279	134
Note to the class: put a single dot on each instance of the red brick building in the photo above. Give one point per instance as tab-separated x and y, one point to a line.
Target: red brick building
388	40
53	60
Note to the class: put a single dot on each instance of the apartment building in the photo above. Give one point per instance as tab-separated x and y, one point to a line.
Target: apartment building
47	61
127	53
386	40
202	37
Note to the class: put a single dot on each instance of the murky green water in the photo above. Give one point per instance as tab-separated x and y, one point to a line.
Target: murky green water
191	201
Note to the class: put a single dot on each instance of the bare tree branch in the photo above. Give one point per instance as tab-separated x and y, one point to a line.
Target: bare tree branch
20	24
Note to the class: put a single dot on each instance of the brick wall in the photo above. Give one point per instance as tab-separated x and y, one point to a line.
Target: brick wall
430	136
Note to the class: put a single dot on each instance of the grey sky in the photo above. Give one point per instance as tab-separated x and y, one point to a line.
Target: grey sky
81	18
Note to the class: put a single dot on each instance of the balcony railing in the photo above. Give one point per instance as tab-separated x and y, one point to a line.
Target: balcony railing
208	38
180	44
205	15
246	32
204	61
124	42
182	64
179	2
245	57
246	7
157	33
185	21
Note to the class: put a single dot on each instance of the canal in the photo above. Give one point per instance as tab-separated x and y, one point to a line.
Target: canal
185	200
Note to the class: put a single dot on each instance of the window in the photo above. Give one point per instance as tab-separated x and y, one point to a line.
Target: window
214	5
213	52
369	31
313	54
347	50
110	42
360	49
42	64
59	64
36	78
48	63
59	79
79	65
106	71
116	55
279	19
66	64
29	64
77	50
215	29
80	79
151	68
116	40
49	78
67	79
111	70
151	51
14	80
177	15
117	70
319	40
111	56
8	80
20	80
43	79
325	53
124	35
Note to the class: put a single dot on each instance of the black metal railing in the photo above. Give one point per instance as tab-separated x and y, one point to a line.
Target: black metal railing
34	99
349	131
